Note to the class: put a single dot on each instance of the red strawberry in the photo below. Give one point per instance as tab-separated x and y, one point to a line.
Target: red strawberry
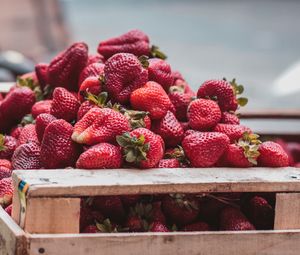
184	87
84	108
130	200
157	226
123	74
96	58
6	191
204	149
100	156
41	107
27	156
260	212
203	114
57	142
100	125
177	76
168	163
232	219
153	99
64	105
41	70
7	146
110	206
234	132
169	129
16	131
15	106
135	224
243	153
5	172
93	70
41	122
181	102
272	155
90	229
224	92
8	210
185	126
180	209
160	72
65	68
5	163
89	85
230	118
142	147
28	134
134	41
197	226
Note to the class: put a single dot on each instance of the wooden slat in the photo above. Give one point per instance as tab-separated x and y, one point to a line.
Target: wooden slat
6	86
55	215
287	211
12	237
77	182
271	114
193	243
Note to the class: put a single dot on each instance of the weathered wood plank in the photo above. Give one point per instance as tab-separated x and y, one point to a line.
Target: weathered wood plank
287	211
193	243
12	237
77	182
270	114
55	215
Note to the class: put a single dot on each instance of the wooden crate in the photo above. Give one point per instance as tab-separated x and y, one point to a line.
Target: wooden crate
51	222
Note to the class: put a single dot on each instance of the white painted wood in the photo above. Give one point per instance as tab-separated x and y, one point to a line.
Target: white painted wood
6	86
74	182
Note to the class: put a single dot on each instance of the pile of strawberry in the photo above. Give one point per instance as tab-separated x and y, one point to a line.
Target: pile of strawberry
177	212
123	107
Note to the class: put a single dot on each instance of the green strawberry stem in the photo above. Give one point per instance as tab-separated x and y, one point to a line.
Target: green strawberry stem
2	143
156	53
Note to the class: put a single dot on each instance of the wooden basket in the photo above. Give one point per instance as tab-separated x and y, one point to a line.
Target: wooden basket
50	217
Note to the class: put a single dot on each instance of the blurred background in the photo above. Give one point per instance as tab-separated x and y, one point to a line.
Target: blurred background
257	42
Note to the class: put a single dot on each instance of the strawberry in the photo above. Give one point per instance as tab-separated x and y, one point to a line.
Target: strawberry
232	219
197	226
137	119
135	224
64	104
203	114
157	226
41	122
177	76
139	217
168	163
223	92
28	134
160	72
57	142
100	125
185	126
27	156
5	163
65	68
260	212
230	118
123	74
15	106
41	107
84	108
272	155
130	200
156	213
110	206
151	98
204	149
134	42
244	152
5	172
8	210
89	85
142	147
181	102
234	132
183	86
90	229
96	58
100	156
41	70
169	129
6	191
7	146
180	209
93	70
16	131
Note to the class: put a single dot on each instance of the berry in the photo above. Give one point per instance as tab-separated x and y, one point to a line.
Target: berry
160	72
28	134
93	70
41	107
7	146
6	191
27	156
41	70
157	226
272	155
41	122
230	118
181	102
90	85
168	163
234	132
197	226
